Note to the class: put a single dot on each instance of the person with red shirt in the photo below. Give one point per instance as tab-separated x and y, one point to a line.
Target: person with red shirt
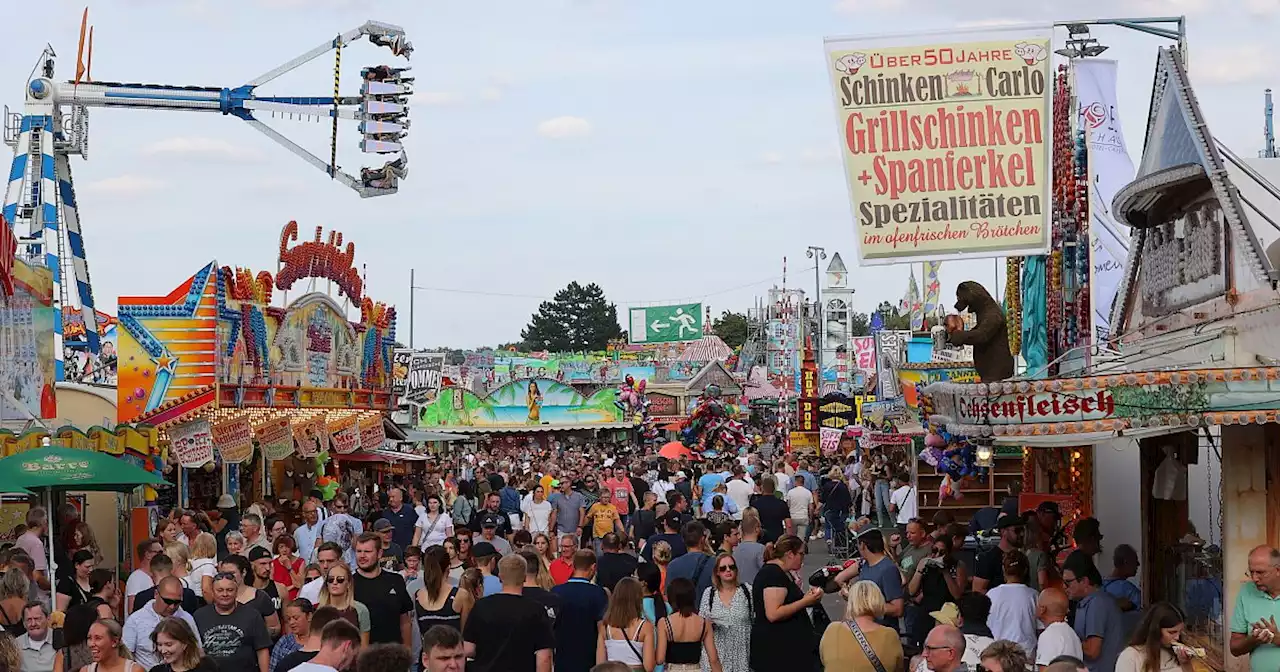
562	567
624	494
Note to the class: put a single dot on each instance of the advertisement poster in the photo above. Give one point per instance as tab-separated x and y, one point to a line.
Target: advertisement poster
829	440
1112	168
523	402
311	437
344	437
192	443
425	373
864	352
26	346
946	142
275	438
234	440
372	433
400	370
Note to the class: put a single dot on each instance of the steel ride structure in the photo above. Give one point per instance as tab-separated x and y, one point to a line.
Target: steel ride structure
40	201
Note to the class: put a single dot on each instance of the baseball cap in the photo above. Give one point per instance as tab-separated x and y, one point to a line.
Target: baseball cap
382	524
483	549
259	553
491	520
673	520
1009	520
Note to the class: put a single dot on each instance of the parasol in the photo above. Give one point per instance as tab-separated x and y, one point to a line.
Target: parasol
675	451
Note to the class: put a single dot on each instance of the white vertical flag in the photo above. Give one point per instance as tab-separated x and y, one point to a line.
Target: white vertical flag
1110	168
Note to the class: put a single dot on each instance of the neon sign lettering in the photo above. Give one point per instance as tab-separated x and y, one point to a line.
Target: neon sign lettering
317	259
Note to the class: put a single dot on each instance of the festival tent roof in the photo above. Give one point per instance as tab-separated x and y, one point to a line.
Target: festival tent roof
709	348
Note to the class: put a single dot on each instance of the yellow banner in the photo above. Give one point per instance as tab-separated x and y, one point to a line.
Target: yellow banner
946	143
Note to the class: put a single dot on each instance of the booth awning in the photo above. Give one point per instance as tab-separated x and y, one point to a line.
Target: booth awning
521	429
1089	438
414	435
380	456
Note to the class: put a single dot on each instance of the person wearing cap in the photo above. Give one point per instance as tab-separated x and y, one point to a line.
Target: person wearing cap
225	520
1050	518
989	571
391	555
489	527
486	559
490	515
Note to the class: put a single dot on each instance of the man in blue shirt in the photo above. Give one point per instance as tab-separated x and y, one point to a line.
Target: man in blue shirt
402	516
1099	623
582	607
707	484
877	568
671	524
698	565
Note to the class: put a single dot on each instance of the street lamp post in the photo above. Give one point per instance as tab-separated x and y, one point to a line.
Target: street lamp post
817	254
412	289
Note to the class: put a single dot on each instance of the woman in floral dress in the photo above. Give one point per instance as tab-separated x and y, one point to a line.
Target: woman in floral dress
727	604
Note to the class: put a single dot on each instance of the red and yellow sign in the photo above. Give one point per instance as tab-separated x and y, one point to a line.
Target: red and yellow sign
946	143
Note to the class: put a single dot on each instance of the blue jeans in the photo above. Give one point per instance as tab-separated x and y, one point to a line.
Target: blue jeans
883	518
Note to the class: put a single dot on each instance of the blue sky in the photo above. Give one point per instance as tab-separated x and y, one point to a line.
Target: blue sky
665	150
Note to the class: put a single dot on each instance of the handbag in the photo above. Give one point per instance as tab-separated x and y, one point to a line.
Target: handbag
866	646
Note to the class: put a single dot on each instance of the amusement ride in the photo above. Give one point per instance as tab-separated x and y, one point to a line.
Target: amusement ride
40	201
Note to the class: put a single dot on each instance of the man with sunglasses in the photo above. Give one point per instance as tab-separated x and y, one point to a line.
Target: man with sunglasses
141	623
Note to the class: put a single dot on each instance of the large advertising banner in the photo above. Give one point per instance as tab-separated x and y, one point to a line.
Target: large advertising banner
425	373
946	142
1111	169
26	346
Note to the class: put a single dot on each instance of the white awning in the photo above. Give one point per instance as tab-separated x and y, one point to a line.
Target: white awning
1120	438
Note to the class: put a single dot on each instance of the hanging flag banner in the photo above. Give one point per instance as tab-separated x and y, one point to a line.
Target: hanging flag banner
372	433
933	308
914	304
946	142
344	437
864	352
400	370
234	439
275	438
1110	168
192	443
311	437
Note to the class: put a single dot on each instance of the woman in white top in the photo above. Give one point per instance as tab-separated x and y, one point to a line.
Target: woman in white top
537	512
109	653
204	565
1156	644
1013	605
624	636
434	526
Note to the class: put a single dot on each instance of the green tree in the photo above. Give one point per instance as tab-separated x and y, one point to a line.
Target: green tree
893	319
859	324
577	319
731	328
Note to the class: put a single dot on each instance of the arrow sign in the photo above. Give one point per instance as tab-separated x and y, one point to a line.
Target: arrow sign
666	324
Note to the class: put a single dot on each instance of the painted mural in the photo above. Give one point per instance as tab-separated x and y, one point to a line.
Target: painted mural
26	346
531	401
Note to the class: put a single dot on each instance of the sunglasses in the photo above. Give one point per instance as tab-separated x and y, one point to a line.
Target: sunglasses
173	602
336	579
728	568
226	575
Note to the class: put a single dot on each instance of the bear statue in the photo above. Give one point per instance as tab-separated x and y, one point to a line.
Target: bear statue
989	337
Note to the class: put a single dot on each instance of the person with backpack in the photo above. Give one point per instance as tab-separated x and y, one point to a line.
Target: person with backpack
464	505
727	605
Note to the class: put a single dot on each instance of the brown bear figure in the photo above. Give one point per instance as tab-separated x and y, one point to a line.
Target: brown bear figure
989	337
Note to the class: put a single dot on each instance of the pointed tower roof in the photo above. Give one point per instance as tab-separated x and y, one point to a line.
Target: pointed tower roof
837	264
1189	225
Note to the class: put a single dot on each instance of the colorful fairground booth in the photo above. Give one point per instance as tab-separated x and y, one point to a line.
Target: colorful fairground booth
252	392
1166	434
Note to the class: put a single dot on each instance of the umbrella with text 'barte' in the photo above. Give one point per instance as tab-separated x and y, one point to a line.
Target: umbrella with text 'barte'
71	469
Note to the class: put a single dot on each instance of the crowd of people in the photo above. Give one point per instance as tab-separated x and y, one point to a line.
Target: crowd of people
599	558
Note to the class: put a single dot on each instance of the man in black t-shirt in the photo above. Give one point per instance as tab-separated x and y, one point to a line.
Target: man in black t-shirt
774	513
383	593
508	632
234	635
490	513
989	571
671	524
162	566
613	565
549	602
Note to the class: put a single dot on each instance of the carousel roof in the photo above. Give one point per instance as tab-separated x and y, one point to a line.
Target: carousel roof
709	348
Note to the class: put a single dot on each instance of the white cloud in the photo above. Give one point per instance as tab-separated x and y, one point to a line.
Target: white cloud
564	127
1263	7
124	185
860	6
436	97
202	148
491	94
1244	64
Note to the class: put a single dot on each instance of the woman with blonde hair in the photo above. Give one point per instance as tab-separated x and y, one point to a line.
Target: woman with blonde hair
235	543
338	592
109	653
181	557
10	657
15	590
727	605
840	647
662	558
178	648
204	564
625	636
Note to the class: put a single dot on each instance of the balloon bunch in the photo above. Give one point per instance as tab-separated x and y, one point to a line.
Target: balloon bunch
633	403
711	424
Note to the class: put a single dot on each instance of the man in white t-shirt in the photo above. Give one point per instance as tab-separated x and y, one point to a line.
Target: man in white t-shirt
339	644
800	500
327	556
780	477
739	490
1057	638
141	579
902	502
